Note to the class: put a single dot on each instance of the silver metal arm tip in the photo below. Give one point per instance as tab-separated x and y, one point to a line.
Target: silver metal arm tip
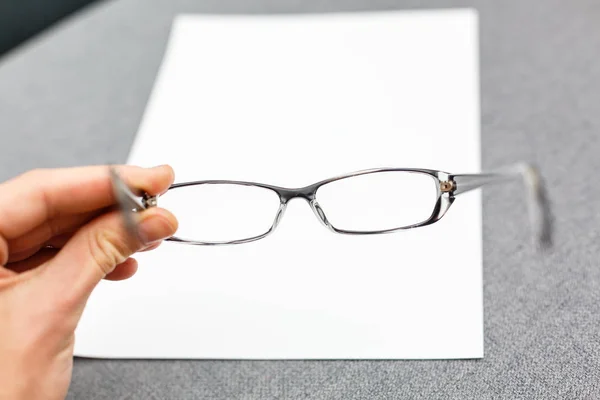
538	203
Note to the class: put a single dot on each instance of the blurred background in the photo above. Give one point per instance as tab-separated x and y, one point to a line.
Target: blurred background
21	20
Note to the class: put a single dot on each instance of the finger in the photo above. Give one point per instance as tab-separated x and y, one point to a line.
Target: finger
122	271
125	270
33	261
30	199
6	273
22	255
97	248
58	242
152	246
49	230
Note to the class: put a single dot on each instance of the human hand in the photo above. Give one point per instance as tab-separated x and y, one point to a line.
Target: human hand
43	291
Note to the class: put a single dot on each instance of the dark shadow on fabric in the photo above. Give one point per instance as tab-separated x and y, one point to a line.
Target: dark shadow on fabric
22	19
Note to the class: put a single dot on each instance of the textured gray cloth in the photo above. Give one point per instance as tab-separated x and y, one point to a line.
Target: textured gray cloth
76	96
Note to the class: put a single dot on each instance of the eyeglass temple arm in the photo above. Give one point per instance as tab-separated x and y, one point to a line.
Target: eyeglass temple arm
538	204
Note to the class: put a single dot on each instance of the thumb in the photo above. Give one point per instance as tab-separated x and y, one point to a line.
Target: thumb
97	248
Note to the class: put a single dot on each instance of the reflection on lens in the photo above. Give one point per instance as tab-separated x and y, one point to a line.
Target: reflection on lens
221	212
378	201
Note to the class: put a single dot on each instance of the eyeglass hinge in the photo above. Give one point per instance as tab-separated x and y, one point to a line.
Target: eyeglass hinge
149	201
447	186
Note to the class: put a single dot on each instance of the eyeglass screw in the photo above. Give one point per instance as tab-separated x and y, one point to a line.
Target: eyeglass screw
150	201
447	186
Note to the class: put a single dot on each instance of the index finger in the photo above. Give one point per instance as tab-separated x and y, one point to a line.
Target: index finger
34	197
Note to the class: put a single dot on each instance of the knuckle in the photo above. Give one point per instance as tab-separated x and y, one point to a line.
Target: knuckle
108	249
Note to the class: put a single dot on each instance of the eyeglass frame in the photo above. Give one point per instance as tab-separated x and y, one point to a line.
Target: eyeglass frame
448	187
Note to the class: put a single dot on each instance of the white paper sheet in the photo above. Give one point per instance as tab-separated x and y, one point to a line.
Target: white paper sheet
290	100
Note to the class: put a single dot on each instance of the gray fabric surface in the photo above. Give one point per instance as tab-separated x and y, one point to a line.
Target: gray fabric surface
76	96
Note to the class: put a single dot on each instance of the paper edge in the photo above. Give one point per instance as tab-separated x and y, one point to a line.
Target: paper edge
471	14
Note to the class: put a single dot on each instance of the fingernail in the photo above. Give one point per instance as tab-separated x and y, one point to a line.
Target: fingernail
154	228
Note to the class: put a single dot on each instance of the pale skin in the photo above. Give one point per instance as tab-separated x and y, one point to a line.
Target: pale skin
43	291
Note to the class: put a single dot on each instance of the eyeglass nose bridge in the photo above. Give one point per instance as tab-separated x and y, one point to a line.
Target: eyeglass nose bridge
307	194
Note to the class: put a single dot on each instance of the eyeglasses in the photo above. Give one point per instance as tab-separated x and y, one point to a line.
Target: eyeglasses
375	201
